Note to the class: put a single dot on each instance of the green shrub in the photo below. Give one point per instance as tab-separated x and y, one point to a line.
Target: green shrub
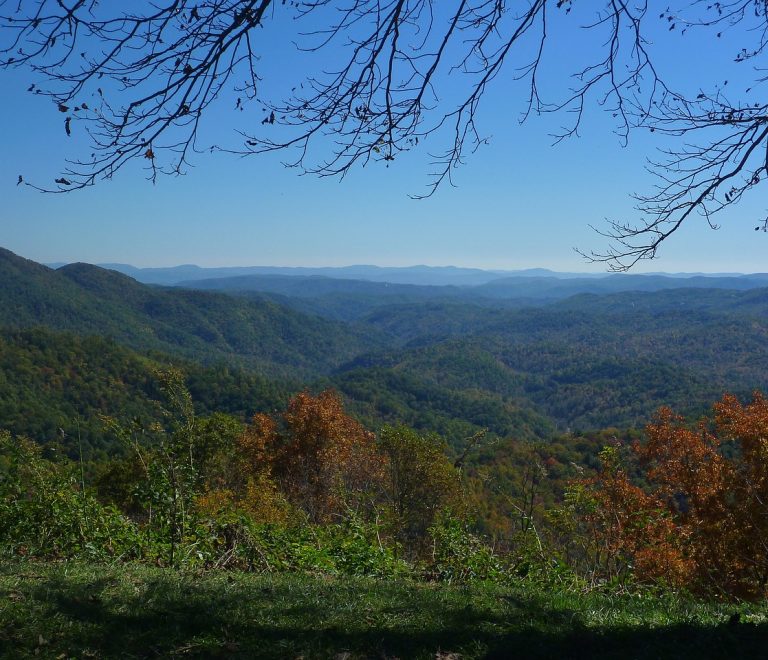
460	556
351	548
44	512
356	549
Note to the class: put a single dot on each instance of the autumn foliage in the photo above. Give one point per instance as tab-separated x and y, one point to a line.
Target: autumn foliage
628	530
321	458
701	521
313	463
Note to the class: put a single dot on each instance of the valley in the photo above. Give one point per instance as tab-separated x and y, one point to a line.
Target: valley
440	357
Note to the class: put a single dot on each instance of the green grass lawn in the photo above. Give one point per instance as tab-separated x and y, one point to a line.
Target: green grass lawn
75	610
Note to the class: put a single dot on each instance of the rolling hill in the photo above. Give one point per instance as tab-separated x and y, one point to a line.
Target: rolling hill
204	326
425	356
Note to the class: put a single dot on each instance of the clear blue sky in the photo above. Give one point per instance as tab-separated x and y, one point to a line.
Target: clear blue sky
519	202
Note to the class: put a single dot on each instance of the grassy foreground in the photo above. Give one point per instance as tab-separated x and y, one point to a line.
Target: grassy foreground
74	610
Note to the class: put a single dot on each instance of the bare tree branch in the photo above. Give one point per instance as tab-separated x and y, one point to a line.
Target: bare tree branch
140	77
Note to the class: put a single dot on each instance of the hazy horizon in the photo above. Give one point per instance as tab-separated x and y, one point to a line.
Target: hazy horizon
339	266
504	214
519	203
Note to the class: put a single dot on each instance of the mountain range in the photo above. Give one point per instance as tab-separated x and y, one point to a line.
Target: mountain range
571	354
207	327
418	275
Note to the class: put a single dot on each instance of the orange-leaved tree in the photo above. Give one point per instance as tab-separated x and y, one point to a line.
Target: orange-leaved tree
319	457
702	521
625	529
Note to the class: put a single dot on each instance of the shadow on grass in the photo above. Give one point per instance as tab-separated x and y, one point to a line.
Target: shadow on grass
276	618
681	641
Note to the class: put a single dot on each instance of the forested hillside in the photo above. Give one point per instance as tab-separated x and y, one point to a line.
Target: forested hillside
587	362
347	299
54	386
206	327
443	364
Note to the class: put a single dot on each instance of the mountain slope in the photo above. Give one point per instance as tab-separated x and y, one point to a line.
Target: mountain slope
209	327
588	362
418	275
56	385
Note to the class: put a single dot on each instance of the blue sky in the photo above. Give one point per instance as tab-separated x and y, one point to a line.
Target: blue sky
519	202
